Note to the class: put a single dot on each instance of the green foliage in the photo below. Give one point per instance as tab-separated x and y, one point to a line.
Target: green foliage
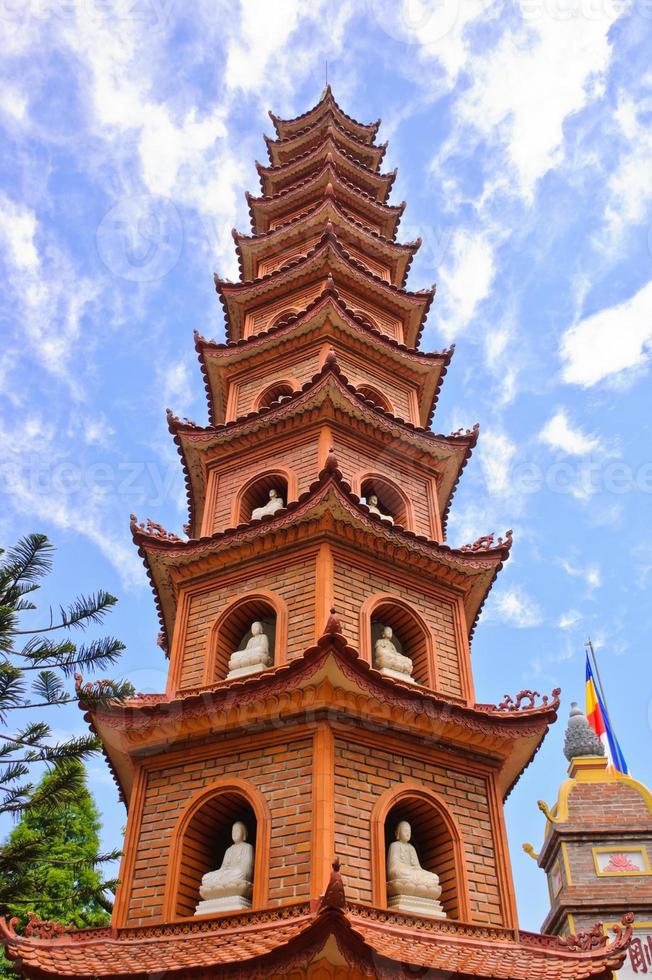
49	864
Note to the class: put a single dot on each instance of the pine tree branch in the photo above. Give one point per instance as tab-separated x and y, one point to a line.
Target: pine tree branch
80	613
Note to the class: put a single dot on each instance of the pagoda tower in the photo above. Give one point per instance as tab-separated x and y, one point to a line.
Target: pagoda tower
597	847
320	700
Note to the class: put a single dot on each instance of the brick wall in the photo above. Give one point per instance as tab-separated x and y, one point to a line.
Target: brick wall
589	802
301	459
387	322
301	369
363	774
293	581
353	458
282	774
583	873
355	582
394	391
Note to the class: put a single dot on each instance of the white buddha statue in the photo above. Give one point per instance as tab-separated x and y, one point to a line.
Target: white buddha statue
372	504
255	656
410	888
389	661
274	503
231	886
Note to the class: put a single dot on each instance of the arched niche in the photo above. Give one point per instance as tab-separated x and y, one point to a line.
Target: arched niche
280	317
366	321
372	394
233	628
391	499
278	389
412	636
202	836
255	493
435	836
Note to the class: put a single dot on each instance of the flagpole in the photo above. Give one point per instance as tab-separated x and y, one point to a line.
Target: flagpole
593	657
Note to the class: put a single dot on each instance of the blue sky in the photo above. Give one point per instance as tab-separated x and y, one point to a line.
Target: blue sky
522	135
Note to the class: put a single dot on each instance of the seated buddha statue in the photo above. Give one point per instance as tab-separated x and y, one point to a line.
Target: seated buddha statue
231	886
372	504
274	503
409	886
389	661
255	656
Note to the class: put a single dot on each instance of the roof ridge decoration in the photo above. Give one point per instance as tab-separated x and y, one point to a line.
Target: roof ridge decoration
328	236
329	291
276	168
362	177
327	242
326	96
239	236
254	199
331	366
332	134
281	141
333	897
393	536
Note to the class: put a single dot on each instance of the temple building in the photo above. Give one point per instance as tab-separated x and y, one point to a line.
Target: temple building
597	847
318	793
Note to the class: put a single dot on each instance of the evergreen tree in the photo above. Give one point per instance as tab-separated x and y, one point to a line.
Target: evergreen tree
35	663
66	885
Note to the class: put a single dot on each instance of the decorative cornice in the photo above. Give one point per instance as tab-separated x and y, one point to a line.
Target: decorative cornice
327	99
329	494
373	238
378	423
388	215
319	132
370	181
327	249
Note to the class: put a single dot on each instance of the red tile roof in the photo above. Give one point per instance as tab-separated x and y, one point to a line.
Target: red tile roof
262	944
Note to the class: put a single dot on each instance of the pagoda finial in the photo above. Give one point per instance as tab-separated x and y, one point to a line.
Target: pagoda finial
333	624
333	897
331	461
331	360
580	738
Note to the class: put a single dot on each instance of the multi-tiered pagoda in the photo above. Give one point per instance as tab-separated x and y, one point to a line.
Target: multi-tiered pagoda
320	711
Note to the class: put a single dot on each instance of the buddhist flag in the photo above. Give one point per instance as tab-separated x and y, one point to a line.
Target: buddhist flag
599	721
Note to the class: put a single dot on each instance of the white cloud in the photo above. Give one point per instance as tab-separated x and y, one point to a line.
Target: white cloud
17	233
51	297
590	573
465	281
263	31
497	453
569	619
613	340
177	384
630	191
558	433
525	89
45	483
515	607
